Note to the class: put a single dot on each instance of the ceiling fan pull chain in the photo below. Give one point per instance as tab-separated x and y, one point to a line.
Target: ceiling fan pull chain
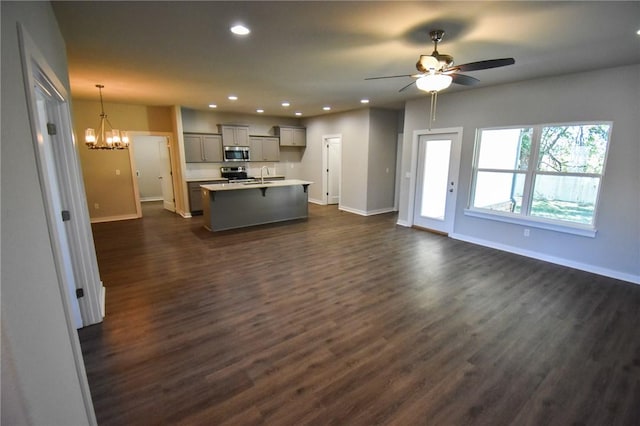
432	113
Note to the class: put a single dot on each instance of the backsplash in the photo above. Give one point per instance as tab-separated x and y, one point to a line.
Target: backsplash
212	170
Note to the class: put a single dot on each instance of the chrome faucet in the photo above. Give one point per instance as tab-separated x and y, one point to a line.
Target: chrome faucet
261	175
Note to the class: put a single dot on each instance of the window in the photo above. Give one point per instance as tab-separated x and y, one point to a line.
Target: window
547	173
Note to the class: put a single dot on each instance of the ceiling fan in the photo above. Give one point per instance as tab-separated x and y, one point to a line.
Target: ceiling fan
437	71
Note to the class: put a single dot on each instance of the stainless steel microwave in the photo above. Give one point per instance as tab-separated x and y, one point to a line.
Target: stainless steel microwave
236	153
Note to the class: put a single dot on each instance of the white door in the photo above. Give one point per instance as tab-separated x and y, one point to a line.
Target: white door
333	168
436	181
166	181
153	169
54	204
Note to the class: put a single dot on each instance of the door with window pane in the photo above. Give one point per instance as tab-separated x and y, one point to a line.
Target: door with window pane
436	181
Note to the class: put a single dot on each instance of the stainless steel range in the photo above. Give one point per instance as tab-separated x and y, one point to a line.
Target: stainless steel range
235	174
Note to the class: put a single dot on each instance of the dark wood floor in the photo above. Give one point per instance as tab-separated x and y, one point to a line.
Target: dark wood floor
349	320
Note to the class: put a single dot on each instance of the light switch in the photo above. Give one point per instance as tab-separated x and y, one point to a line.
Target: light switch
117	172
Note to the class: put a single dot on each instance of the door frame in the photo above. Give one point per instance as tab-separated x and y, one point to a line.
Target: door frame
325	165
414	165
132	163
35	70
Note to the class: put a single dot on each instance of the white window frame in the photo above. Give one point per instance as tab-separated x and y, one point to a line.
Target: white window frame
524	218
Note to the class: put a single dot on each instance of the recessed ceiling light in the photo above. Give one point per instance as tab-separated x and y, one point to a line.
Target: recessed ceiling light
638	32
298	113
326	108
233	98
364	101
213	106
259	110
285	104
240	30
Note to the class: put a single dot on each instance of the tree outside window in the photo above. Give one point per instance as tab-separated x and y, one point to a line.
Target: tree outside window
562	186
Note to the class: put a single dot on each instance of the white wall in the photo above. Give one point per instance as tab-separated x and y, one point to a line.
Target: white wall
612	94
37	359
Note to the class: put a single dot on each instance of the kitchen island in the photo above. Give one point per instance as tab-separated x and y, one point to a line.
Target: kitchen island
238	205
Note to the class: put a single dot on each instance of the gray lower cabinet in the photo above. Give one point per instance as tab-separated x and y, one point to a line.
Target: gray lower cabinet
200	148
264	148
292	136
195	196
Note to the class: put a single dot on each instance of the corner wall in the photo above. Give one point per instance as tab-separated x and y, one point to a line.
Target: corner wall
609	94
38	368
381	172
113	193
354	128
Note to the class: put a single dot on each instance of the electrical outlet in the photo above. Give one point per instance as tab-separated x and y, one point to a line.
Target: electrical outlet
117	172
527	232
96	206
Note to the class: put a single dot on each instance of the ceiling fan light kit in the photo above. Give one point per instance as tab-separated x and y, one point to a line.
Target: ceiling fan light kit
434	82
437	71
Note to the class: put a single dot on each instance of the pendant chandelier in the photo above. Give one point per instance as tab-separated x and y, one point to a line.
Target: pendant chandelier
105	138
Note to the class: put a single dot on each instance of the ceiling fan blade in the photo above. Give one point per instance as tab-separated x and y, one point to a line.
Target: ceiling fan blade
388	76
484	65
407	86
464	80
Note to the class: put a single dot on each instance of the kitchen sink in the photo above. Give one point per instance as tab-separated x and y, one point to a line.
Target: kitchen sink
257	183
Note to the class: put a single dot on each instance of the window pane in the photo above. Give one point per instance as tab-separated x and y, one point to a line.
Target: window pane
499	191
505	149
436	174
568	198
573	149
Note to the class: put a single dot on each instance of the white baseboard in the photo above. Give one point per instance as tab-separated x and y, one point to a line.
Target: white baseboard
103	300
403	222
114	218
635	279
366	213
145	199
351	210
320	202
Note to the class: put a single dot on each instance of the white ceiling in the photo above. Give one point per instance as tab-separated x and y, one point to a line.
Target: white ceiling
319	53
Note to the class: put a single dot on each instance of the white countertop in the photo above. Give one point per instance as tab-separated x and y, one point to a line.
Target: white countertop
215	179
246	185
221	179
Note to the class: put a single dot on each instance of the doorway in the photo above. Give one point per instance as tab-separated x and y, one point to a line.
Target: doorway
437	162
332	168
152	159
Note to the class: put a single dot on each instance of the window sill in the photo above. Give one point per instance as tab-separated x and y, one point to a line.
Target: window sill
583	231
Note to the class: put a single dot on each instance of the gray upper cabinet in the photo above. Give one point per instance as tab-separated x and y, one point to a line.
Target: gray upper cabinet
264	148
234	135
202	148
292	136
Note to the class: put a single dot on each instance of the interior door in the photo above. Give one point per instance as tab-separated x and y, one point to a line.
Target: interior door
168	200
153	169
54	203
436	181
334	165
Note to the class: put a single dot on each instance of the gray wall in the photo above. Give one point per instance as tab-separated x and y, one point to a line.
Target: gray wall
368	148
207	121
199	121
354	128
39	380
612	94
383	137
